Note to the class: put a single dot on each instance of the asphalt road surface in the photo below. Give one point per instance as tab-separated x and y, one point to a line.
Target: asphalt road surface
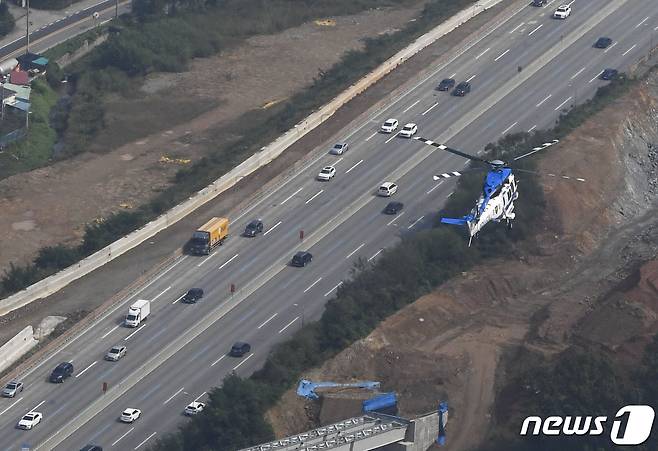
179	354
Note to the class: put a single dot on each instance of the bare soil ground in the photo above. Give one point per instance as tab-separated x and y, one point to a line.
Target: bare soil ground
52	205
583	284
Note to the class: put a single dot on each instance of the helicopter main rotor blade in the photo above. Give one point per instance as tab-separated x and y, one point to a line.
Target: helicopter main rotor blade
538	149
548	174
448	149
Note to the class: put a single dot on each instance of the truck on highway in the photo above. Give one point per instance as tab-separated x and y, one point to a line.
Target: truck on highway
138	312
211	234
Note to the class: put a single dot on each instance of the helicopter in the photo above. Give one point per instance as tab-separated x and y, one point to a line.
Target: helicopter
499	191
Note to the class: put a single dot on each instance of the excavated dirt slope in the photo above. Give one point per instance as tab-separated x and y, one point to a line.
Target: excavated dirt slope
448	344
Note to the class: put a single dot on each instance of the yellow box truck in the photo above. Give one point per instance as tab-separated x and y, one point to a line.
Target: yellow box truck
211	234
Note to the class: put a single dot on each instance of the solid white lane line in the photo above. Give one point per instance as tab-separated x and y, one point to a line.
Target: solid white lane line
429	109
289	324
562	104
109	332
411	106
394	219
415	222
624	54
138	329
228	261
240	364
313	284
272	228
577	73
354	166
163	292
530	34
200	396
371	136
172	396
206	259
532	128
613	44
643	20
267	320
218	360
481	54
501	55
435	187
469	79
85	370
509	128
37	406
517	27
128	432
332	290
376	254
10	406
354	251
597	76
291	196
391	138
315	195
146	440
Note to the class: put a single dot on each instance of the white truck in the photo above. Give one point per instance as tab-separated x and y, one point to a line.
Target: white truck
138	312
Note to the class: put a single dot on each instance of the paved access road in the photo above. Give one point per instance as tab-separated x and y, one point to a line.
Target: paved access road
180	353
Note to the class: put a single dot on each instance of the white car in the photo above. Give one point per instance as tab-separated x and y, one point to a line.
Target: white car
194	407
408	130
387	189
339	149
129	415
30	420
115	353
562	12
389	126
327	173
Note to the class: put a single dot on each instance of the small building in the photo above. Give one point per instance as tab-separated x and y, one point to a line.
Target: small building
30	61
16	96
19	76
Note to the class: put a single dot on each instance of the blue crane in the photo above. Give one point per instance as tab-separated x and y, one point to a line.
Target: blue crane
307	388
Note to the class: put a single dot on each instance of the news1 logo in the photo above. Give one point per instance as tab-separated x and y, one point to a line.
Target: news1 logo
631	425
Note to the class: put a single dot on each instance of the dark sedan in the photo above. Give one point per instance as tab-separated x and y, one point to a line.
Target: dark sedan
393	208
253	228
192	296
446	84
602	43
609	74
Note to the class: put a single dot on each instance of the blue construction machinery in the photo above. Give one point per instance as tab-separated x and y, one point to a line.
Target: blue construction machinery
307	388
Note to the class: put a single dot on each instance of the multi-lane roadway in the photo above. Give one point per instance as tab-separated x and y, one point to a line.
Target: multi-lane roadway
180	352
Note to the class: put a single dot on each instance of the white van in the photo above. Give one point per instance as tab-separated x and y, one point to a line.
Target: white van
387	189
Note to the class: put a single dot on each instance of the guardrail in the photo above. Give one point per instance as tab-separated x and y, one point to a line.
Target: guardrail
57	281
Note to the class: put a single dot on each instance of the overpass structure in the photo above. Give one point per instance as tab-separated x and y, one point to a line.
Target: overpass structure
363	433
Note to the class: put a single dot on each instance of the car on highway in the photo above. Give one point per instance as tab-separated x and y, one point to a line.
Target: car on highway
30	420
393	208
301	259
462	89
602	42
61	372
130	415
387	189
239	349
446	84
539	2
193	408
327	173
253	228
389	126
115	353
192	296
92	448
339	149
408	130
12	389
609	74
562	12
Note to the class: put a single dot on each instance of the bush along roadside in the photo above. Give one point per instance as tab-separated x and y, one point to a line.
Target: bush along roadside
403	273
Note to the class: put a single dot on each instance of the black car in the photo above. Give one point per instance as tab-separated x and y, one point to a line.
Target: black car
239	349
192	295
61	372
92	448
393	208
602	43
609	74
462	89
301	258
446	84
539	2
253	228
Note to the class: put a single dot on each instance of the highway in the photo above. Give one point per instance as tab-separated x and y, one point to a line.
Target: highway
180	352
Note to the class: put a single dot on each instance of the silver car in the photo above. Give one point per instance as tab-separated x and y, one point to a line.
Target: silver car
115	353
12	389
